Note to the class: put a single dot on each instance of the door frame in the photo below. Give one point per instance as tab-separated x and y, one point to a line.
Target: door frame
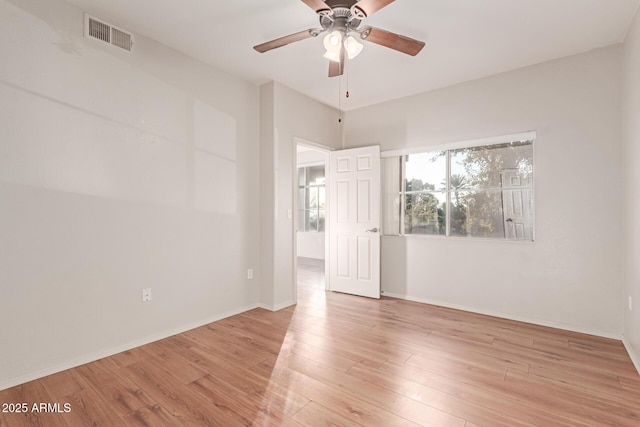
294	192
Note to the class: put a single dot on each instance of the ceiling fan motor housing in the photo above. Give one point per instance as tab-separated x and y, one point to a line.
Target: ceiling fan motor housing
343	16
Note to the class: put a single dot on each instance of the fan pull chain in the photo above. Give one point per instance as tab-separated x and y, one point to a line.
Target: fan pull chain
347	93
340	93
339	99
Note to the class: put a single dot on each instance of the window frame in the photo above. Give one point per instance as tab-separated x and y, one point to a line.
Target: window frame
302	210
448	148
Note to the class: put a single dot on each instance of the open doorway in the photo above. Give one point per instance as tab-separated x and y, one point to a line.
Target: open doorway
311	218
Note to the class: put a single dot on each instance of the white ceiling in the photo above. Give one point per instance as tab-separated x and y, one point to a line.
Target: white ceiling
465	39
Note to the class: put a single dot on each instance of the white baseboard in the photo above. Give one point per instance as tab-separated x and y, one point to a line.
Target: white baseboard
539	322
632	354
91	357
277	307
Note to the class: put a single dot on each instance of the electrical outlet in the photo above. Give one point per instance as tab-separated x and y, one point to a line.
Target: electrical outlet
630	303
146	295
250	273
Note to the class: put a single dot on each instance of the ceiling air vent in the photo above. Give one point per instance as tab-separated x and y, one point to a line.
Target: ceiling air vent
100	30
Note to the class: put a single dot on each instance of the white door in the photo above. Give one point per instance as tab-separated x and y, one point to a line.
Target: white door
354	221
516	205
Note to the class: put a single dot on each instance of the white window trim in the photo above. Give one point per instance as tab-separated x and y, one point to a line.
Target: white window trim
523	136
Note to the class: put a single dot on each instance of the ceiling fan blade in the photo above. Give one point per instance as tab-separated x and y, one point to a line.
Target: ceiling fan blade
369	7
316	5
283	41
392	40
337	68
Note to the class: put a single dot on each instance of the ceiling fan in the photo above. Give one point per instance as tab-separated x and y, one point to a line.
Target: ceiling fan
341	19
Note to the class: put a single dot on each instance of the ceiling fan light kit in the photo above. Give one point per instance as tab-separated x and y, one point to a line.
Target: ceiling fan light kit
341	19
333	44
353	47
332	56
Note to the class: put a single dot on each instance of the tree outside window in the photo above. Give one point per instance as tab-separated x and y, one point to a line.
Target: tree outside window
484	191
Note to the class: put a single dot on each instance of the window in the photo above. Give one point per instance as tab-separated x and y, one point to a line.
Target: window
311	198
482	191
425	193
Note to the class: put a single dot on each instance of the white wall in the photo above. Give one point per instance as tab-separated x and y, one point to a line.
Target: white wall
310	245
265	270
571	275
294	116
118	171
631	137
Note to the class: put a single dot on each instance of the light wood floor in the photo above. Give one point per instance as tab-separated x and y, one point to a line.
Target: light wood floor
340	360
311	273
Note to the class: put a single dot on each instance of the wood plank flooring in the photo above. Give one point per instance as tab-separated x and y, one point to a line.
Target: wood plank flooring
339	360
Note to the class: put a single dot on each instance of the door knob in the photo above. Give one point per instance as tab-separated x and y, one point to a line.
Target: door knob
372	230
